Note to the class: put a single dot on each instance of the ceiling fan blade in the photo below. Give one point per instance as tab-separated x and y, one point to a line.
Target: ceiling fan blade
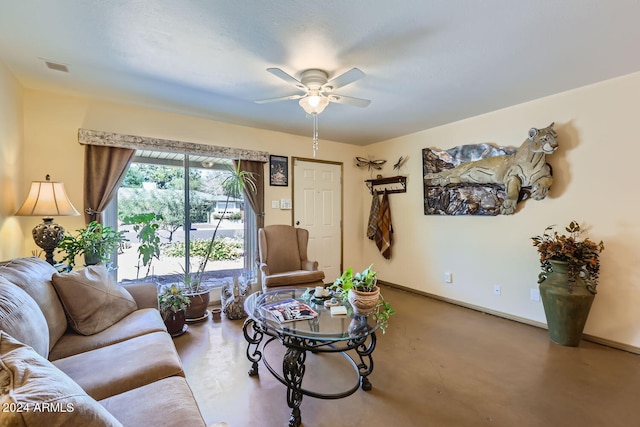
287	78
281	98
345	78
348	100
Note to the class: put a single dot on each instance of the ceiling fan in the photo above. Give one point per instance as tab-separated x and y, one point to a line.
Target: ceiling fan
318	89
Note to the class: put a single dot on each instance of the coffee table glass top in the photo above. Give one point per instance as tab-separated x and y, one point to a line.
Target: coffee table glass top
322	327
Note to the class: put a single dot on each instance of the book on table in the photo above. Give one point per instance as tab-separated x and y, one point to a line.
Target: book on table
289	310
338	310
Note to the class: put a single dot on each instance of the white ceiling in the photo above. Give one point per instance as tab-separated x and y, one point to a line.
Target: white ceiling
427	62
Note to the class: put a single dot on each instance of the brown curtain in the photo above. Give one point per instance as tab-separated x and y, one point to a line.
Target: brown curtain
104	170
256	199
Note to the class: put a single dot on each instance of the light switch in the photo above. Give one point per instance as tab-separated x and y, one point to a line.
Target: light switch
285	204
275	204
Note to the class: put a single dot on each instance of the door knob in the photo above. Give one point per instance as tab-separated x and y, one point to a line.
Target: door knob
297	222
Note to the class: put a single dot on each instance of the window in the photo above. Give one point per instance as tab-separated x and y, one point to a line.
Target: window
190	210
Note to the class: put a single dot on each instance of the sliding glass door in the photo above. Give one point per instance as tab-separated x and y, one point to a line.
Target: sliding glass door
189	204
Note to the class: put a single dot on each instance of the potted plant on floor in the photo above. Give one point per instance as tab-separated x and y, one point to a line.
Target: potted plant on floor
193	284
362	292
96	242
570	271
173	305
198	292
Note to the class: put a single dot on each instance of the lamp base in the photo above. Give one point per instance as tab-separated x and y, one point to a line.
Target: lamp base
48	236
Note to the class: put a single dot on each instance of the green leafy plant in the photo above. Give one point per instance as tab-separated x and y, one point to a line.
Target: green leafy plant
94	240
172	300
146	227
364	281
582	256
233	185
235	216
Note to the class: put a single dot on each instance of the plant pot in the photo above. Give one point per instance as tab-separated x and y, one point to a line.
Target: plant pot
566	304
197	310
364	303
175	322
92	258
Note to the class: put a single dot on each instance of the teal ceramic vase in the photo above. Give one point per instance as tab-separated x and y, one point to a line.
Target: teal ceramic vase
566	304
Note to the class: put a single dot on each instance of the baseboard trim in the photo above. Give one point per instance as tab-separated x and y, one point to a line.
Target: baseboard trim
587	337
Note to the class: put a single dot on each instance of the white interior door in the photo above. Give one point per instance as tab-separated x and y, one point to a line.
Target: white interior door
317	207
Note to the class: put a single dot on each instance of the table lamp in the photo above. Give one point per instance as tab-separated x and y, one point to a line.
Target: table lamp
47	199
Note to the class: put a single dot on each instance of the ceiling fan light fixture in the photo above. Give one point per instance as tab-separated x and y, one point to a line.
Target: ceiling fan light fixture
318	92
314	104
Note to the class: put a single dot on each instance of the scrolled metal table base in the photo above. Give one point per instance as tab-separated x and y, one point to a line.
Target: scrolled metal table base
293	363
253	343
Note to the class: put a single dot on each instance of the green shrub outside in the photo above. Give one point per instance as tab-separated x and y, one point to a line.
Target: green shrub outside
236	216
226	249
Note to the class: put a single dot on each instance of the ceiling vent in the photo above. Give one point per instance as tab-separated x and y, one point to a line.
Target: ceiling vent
56	66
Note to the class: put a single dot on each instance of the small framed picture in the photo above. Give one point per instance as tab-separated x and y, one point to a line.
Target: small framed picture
279	170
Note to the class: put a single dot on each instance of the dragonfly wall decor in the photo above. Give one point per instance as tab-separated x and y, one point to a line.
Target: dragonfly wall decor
361	162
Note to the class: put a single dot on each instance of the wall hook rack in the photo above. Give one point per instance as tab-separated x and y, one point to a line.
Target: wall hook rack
392	184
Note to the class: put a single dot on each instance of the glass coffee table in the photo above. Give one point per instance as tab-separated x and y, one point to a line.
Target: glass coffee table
321	334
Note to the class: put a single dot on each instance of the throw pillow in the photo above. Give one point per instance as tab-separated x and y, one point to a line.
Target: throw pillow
33	392
92	299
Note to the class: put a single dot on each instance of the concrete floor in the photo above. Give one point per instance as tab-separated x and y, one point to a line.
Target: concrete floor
437	365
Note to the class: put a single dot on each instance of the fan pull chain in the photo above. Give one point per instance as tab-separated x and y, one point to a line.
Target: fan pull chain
315	134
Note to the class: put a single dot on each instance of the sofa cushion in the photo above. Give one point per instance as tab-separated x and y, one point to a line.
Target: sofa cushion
121	367
92	299
145	294
21	318
45	395
172	392
33	275
140	322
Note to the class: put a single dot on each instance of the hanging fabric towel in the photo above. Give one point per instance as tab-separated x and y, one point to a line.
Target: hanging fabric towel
384	237
373	216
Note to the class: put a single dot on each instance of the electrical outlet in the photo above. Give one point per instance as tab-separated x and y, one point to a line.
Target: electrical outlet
448	277
534	294
497	290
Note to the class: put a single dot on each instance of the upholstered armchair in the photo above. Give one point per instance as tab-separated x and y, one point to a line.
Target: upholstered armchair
283	259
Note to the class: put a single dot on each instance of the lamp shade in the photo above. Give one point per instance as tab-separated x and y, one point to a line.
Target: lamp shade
314	103
47	199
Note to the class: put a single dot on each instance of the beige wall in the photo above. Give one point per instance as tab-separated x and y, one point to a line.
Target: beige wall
592	172
52	122
593	183
11	232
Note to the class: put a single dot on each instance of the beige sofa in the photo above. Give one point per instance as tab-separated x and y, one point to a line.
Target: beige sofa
117	371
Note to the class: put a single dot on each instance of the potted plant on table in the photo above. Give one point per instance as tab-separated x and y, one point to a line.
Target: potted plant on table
570	271
362	292
96	242
193	282
173	305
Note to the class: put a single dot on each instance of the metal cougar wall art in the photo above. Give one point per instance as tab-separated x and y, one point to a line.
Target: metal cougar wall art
492	184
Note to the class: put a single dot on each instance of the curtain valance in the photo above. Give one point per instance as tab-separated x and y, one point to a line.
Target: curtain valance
112	139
